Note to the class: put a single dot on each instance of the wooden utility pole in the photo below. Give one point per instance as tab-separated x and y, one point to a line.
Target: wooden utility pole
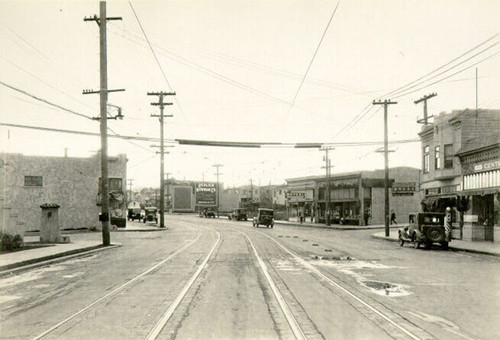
103	92
218	189
386	103
130	181
162	104
424	99
328	166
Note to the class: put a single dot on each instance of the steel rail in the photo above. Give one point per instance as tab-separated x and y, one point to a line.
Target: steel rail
294	325
116	290
155	332
333	283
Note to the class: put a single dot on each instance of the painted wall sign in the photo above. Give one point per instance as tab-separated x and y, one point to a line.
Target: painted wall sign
485	166
206	194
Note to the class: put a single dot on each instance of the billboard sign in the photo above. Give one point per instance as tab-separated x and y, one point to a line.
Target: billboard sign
206	194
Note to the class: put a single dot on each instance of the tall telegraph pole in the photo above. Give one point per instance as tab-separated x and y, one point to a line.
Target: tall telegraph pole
328	166
218	189
424	99
103	91
162	104
386	103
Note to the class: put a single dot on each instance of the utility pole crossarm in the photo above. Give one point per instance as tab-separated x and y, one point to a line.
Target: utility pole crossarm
103	93
424	99
162	153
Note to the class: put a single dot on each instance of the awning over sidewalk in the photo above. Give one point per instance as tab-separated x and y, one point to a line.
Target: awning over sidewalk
440	203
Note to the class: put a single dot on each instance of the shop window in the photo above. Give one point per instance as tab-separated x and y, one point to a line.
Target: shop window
437	158
33	181
426	159
448	156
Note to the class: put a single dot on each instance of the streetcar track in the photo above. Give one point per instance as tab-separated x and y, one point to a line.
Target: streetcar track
116	290
155	332
359	300
292	321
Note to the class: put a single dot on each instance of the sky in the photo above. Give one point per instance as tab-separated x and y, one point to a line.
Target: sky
285	71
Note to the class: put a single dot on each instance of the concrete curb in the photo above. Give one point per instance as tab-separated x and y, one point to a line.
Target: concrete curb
53	258
469	250
335	227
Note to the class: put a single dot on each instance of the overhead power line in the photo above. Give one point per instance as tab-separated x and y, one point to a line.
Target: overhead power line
217	143
45	101
314	56
154	54
405	89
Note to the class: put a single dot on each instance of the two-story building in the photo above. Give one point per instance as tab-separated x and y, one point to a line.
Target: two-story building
442	173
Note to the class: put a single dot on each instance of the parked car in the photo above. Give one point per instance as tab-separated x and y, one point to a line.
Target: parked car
238	215
134	214
207	212
150	214
265	217
424	228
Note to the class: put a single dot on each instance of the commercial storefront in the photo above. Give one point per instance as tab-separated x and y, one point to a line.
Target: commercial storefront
355	198
300	198
480	160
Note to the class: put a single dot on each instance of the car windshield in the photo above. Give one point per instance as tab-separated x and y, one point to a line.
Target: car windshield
266	213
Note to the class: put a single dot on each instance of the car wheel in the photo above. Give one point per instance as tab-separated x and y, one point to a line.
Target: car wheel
434	234
444	244
428	245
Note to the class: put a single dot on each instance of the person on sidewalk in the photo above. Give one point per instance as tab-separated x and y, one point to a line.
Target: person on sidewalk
393	217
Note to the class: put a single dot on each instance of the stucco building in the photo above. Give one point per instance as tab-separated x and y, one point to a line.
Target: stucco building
26	182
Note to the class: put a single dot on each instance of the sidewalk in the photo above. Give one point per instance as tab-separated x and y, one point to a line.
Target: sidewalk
478	247
11	262
49	253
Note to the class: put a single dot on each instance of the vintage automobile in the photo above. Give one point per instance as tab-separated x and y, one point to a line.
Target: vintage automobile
150	214
238	215
264	217
134	214
207	212
424	228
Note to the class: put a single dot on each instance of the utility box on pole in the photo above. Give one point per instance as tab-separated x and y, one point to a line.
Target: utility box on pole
49	230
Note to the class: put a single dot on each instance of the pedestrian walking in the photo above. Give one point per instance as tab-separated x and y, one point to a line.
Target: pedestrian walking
393	217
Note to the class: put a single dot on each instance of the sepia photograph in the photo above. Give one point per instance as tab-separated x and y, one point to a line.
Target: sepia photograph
250	169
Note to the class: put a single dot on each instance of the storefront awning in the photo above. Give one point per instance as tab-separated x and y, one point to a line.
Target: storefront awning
481	192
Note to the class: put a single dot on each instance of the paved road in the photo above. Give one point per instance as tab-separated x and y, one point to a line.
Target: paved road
220	279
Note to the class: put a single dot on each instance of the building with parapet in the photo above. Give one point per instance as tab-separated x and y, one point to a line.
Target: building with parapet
27	182
355	197
450	140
